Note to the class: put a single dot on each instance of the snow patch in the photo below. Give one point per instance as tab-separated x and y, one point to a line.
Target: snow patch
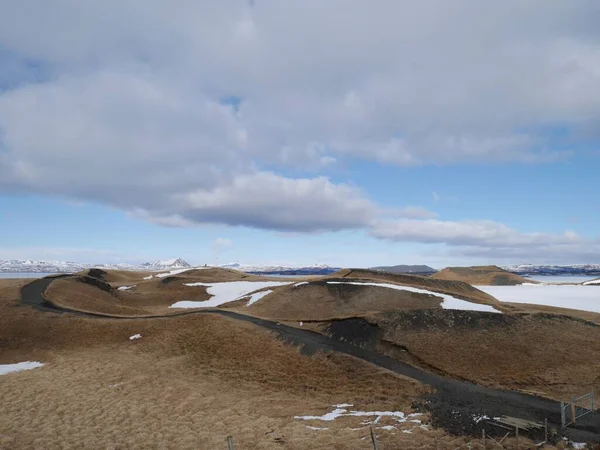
172	272
18	367
302	283
316	428
135	336
591	282
257	296
342	411
227	292
125	288
149	277
449	302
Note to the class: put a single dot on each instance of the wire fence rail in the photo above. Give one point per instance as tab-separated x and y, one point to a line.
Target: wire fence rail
579	407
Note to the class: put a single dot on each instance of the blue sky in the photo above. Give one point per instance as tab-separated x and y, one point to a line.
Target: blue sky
388	133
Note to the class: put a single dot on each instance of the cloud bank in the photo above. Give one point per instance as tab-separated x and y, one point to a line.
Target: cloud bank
235	112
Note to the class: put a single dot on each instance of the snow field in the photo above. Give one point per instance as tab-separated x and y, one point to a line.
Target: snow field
561	296
228	292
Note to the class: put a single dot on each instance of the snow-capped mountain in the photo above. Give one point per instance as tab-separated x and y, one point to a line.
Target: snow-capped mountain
571	269
40	266
315	269
167	264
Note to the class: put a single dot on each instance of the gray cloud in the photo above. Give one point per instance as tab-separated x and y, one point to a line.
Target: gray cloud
127	109
266	200
488	239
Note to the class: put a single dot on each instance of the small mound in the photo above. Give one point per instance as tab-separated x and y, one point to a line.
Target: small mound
89	294
594	282
114	276
96	282
456	288
321	300
97	273
481	275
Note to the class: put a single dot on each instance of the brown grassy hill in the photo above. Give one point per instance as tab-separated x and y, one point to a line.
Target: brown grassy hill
114	276
148	297
457	288
481	275
319	300
520	352
97	290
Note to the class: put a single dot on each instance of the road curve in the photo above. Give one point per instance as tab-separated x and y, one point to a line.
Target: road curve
453	405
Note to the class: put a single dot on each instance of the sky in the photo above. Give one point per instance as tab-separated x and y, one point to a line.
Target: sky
267	132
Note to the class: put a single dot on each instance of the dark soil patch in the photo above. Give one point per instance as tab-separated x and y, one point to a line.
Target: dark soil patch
97	273
357	332
440	319
169	280
96	282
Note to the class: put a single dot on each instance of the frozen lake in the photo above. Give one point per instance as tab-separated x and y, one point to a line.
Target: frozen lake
23	275
585	298
562	278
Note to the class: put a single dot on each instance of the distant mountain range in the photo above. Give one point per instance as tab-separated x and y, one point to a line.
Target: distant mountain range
167	264
416	270
572	269
316	269
41	266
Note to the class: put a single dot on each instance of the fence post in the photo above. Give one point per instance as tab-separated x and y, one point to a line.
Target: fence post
545	430
517	435
374	439
593	395
230	442
573	412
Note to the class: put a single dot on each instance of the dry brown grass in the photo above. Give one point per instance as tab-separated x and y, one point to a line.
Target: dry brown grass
481	276
551	355
327	301
118	276
70	293
187	383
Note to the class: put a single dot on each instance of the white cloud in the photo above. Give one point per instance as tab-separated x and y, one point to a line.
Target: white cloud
222	244
488	239
127	108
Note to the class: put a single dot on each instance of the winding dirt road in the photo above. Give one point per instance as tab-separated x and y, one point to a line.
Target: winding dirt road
454	405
